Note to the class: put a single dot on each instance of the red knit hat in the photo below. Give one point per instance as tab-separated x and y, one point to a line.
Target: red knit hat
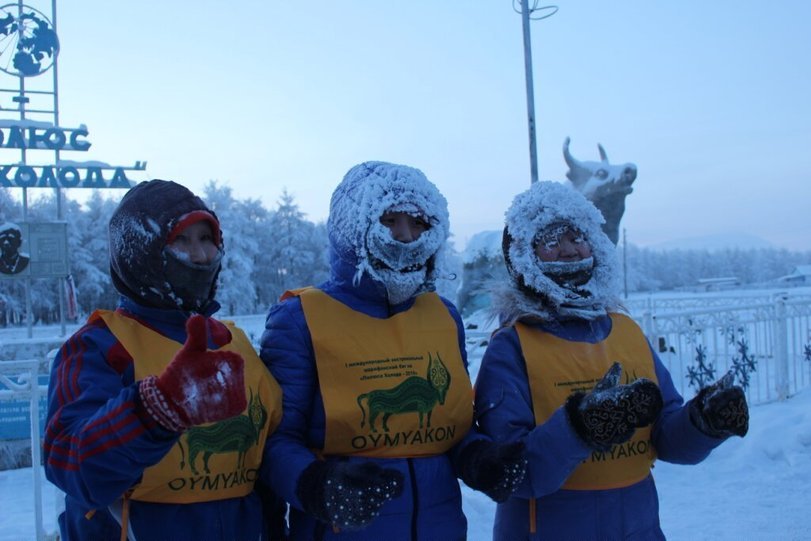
192	218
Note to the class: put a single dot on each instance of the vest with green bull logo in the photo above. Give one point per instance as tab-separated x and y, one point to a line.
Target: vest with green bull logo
394	387
557	367
212	461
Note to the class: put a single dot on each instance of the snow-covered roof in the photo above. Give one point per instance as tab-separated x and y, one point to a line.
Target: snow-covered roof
802	270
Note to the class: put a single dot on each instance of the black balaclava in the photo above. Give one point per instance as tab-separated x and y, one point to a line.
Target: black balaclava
141	265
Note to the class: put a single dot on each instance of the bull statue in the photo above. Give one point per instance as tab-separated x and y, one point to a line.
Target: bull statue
603	184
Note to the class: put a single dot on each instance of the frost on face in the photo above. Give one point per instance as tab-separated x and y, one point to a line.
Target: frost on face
185	257
534	211
368	191
399	255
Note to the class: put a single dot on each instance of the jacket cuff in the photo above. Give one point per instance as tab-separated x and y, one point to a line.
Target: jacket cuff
156	406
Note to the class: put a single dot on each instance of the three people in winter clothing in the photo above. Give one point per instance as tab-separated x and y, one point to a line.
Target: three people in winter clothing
377	400
161	418
573	378
158	413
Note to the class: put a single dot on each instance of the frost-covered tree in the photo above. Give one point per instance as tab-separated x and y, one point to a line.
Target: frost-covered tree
257	215
295	255
239	228
269	251
651	270
90	253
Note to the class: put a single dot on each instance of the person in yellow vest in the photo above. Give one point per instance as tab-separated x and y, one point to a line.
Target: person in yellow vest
158	413
572	376
378	404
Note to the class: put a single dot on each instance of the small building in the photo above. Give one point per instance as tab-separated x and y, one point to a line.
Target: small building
717	284
800	276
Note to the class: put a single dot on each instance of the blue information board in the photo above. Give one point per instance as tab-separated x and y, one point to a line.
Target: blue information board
15	416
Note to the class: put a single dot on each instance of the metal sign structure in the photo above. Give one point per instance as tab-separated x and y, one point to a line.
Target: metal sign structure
32	143
29	49
31	146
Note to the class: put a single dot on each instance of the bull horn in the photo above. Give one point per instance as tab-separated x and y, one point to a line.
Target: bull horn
603	155
573	164
570	161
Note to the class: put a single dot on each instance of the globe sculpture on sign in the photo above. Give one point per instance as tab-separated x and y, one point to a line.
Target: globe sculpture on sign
28	42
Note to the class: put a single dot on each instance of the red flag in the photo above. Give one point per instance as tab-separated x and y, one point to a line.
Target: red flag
70	294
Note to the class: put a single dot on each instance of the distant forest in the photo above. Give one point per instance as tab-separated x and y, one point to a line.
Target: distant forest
268	251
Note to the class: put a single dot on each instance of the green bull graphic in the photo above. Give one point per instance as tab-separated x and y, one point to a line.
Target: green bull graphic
415	394
237	434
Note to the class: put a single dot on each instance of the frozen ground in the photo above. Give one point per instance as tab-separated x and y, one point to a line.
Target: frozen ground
755	488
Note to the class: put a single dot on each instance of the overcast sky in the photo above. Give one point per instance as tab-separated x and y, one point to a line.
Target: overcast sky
711	101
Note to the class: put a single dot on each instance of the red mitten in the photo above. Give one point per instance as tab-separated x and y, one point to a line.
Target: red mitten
198	386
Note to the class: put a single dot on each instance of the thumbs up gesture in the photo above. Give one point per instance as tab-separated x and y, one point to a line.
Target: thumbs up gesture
198	386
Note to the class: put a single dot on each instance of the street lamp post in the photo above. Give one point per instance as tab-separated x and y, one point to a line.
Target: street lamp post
527	14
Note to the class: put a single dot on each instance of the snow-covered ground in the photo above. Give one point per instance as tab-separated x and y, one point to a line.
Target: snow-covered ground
756	488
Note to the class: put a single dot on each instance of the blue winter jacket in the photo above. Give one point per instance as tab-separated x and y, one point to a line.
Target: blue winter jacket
99	440
504	411
430	507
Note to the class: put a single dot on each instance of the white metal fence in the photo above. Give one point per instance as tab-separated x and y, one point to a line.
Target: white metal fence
767	332
20	381
769	336
772	331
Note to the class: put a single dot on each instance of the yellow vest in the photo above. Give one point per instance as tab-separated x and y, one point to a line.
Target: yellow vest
557	367
213	461
394	387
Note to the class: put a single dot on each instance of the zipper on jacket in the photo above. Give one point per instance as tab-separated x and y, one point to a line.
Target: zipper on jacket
414	499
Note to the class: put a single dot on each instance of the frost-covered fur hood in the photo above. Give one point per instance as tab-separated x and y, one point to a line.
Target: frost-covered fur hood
532	294
358	238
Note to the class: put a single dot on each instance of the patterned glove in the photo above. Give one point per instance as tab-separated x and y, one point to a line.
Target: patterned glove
198	386
347	495
720	410
611	413
493	468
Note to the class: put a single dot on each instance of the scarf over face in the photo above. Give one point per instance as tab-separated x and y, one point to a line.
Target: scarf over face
548	291
368	191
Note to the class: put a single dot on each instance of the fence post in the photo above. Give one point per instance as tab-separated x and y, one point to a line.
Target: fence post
24	382
36	454
781	348
647	326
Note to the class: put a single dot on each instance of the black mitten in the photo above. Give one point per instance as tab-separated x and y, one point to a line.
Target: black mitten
347	495
493	468
611	413
720	410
